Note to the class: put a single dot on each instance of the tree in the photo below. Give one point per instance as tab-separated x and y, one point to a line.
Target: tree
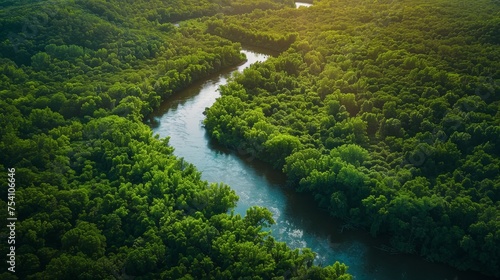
280	146
351	153
86	238
259	217
45	119
40	61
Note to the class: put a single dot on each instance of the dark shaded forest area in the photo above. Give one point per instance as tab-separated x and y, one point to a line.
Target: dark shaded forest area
98	196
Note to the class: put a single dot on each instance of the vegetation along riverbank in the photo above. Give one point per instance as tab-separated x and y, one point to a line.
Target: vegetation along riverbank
386	111
97	196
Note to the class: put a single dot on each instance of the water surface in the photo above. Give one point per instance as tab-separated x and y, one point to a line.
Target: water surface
302	4
299	222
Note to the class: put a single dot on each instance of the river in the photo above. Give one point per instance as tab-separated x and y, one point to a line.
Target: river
302	4
299	222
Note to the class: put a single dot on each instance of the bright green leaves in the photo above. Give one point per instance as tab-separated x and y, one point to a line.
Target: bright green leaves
100	197
250	79
223	119
215	199
291	63
336	271
337	180
259	217
117	130
300	164
130	107
230	246
277	41
351	153
280	146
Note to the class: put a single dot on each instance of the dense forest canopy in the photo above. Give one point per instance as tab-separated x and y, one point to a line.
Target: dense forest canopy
388	112
97	195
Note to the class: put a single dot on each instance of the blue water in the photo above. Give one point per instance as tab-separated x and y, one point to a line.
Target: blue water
299	222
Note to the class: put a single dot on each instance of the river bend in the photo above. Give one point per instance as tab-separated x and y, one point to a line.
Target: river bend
299	222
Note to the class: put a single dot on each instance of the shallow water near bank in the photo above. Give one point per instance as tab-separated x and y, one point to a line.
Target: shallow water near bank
299	222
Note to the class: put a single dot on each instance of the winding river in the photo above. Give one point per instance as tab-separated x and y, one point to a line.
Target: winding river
299	222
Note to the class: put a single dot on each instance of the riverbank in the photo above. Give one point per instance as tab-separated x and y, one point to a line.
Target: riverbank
299	222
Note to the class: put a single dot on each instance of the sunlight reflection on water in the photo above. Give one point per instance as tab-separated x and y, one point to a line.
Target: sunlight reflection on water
299	222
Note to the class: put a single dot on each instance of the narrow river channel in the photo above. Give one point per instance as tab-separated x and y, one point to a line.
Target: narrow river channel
299	222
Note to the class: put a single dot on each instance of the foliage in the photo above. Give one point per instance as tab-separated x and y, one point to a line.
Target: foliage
393	108
98	196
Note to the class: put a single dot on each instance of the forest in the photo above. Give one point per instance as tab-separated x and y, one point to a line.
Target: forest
388	112
97	195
